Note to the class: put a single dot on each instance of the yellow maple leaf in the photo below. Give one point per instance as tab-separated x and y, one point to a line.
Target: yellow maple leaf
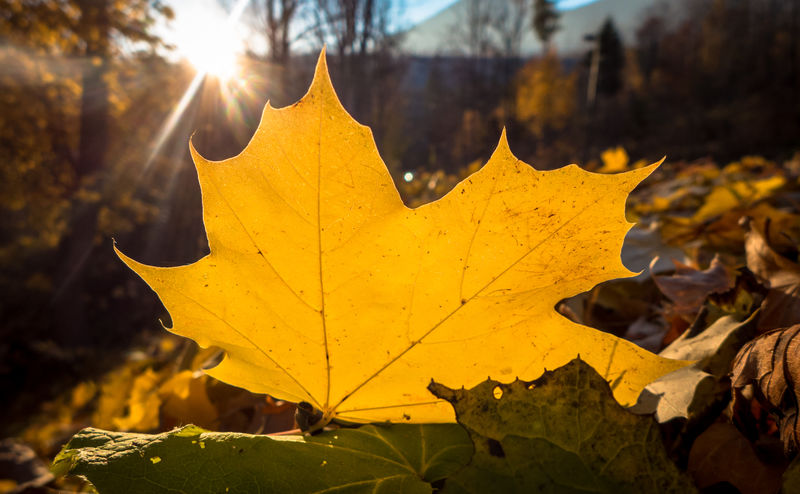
322	286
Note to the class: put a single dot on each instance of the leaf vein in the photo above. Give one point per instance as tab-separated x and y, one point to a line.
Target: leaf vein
252	343
260	250
465	302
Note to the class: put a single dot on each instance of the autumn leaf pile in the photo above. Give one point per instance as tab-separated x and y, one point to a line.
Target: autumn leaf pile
322	287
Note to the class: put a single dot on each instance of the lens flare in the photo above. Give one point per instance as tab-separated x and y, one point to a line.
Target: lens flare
210	43
206	61
214	54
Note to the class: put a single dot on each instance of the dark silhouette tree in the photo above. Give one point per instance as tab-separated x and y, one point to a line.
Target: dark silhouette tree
612	60
273	19
545	21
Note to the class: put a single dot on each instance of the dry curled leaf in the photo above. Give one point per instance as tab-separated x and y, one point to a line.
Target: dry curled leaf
771	363
781	308
323	287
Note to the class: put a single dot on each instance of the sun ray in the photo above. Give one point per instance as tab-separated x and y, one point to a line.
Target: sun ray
203	70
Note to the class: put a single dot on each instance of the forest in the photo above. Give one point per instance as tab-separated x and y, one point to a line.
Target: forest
110	129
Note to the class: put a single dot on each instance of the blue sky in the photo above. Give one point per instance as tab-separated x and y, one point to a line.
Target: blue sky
573	4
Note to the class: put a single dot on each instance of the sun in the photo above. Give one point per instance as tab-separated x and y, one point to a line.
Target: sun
209	42
215	57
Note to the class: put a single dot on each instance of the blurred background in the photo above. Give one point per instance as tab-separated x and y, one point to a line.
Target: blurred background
98	99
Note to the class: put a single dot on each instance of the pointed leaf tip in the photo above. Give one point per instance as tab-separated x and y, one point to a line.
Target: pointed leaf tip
503	150
193	152
654	166
131	263
321	74
646	171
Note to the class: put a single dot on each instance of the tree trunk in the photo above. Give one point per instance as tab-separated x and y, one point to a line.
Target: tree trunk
75	248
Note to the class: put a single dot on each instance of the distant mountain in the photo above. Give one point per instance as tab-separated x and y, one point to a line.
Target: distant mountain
441	34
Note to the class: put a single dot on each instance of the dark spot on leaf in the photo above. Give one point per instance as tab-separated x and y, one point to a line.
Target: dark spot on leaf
495	448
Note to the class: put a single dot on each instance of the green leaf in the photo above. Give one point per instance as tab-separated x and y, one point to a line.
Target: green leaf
373	458
562	433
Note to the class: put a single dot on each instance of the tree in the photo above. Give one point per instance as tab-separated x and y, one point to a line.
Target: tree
612	59
82	38
508	23
475	28
545	96
358	33
545	21
353	27
274	19
719	78
90	30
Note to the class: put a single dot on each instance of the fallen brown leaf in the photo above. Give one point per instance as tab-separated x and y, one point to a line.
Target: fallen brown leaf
771	363
722	454
688	287
781	308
